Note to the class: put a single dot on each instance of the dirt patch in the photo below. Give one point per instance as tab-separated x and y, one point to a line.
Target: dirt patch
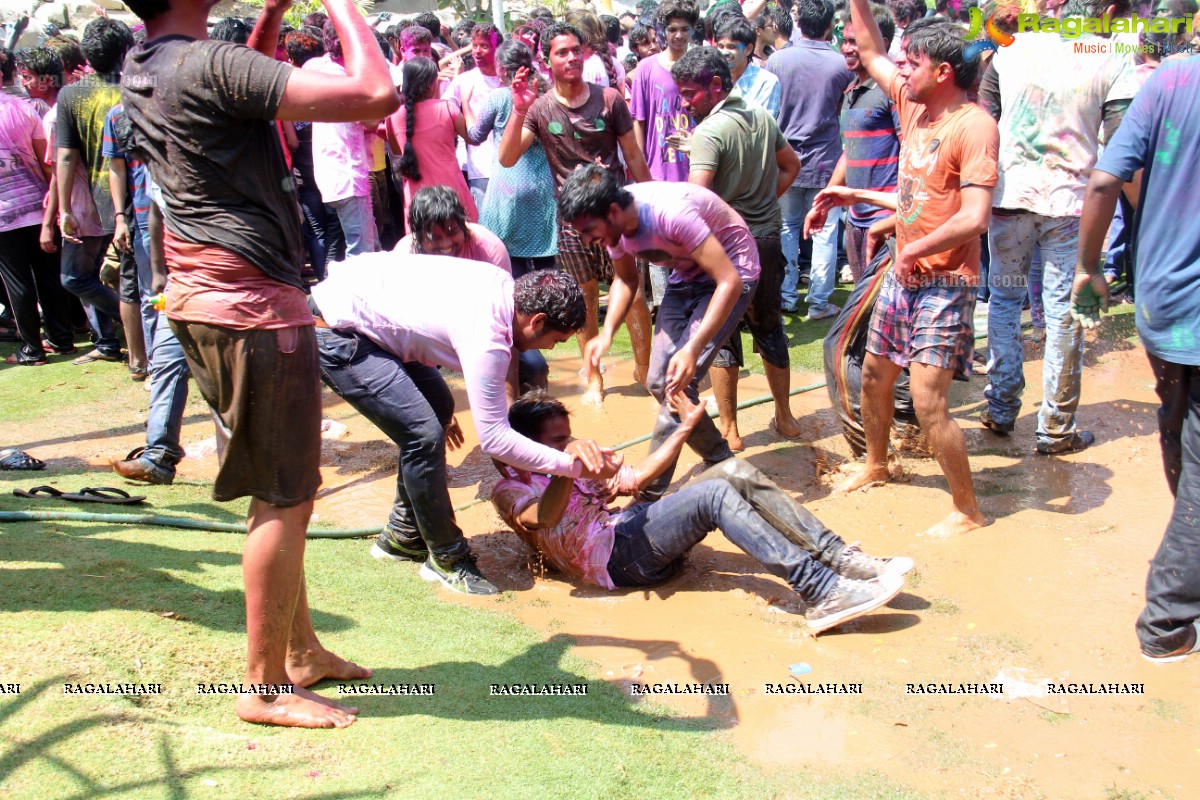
1053	586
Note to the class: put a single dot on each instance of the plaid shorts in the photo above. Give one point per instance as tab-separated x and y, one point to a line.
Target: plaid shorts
932	325
582	262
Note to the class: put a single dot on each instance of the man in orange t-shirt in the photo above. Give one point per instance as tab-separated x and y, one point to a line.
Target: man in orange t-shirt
924	316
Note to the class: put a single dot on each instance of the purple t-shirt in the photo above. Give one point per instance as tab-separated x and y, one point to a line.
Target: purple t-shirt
654	100
674	219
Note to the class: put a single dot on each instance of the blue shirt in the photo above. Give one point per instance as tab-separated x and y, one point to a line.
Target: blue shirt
1160	134
813	78
116	145
760	88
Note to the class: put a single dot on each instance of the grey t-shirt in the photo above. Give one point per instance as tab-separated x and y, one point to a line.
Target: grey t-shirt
813	78
202	116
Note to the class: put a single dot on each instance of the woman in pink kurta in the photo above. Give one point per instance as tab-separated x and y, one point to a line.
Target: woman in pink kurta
425	131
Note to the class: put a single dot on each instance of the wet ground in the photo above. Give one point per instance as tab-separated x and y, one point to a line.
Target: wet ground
1049	590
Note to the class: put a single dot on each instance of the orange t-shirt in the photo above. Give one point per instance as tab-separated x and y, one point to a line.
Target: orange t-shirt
936	161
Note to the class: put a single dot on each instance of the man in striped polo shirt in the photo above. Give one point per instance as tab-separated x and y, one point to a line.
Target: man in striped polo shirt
870	144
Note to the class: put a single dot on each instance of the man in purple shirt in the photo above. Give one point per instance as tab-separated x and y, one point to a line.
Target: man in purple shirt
714	269
653	99
813	77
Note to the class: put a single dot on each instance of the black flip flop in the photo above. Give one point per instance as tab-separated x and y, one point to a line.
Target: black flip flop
38	492
104	494
19	459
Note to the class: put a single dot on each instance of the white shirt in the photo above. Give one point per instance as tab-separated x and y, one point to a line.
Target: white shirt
478	86
343	152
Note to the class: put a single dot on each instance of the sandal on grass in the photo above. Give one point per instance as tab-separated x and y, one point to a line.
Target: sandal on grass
38	492
19	459
104	494
23	359
95	355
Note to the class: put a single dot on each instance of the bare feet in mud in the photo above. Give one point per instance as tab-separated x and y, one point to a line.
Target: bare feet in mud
956	524
863	476
300	710
733	438
640	372
594	396
313	666
787	427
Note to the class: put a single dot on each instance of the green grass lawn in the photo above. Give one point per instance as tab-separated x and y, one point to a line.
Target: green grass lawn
105	603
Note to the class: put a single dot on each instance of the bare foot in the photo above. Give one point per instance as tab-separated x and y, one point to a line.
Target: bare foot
956	524
640	371
300	710
594	396
862	476
313	666
787	427
734	439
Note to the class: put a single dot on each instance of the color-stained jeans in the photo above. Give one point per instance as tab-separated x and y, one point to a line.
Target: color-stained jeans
682	309
1173	584
651	539
795	203
1012	239
412	405
357	218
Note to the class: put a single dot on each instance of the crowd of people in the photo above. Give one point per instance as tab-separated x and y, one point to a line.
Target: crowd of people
366	206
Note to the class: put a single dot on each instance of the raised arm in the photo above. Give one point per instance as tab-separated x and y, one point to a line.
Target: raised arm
265	36
364	92
872	52
517	138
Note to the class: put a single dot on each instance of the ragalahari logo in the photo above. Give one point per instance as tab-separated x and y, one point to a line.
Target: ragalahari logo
993	37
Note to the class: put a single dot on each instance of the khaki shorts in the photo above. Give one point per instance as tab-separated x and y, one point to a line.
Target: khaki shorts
264	389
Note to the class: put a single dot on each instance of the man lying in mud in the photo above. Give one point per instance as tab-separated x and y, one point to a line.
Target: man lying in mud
569	521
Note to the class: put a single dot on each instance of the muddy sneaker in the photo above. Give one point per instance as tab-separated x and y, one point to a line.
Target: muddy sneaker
463	576
853	563
389	548
1180	654
1001	428
1080	440
850	598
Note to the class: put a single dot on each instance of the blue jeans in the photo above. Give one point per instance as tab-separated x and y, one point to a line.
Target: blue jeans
794	204
1173	583
80	267
357	219
145	278
168	397
322	232
1013	238
651	539
412	405
682	309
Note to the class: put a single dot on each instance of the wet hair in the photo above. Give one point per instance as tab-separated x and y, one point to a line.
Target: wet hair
593	30
230	29
740	30
552	32
434	205
329	38
316	19
923	22
612	29
42	62
413	35
8	65
532	410
514	55
678	9
105	43
553	293
700	65
420	76
148	9
782	20
489	32
430	22
814	18
302	46
68	50
943	43
589	192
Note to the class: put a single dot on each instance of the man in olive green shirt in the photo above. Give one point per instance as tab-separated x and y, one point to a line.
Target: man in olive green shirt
727	156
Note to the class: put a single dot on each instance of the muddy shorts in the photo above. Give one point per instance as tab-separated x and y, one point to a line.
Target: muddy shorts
264	389
931	325
581	261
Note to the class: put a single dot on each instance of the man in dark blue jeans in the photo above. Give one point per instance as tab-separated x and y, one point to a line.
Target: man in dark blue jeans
569	523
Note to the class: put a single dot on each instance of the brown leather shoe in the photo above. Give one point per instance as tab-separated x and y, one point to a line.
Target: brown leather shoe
136	469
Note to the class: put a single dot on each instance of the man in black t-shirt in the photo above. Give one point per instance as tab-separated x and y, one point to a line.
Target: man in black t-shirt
202	114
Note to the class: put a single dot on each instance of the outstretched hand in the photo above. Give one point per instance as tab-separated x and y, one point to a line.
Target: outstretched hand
689	413
1089	297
